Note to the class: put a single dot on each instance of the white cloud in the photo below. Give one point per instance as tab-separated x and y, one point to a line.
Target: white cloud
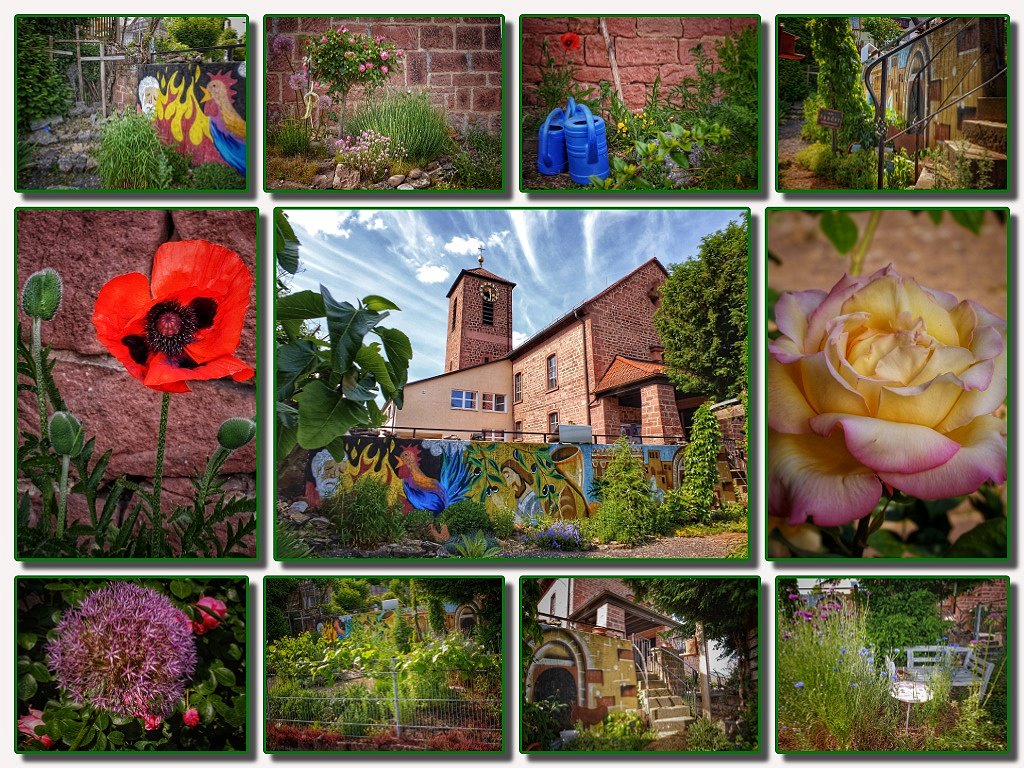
432	273
498	238
319	223
464	246
370	220
518	337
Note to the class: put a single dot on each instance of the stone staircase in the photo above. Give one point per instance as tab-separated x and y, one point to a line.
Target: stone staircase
984	139
669	713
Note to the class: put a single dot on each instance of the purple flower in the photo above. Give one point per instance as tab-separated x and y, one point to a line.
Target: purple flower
282	44
125	649
798	684
793	596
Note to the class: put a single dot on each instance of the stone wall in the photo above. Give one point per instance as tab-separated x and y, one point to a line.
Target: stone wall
644	48
458	60
88	248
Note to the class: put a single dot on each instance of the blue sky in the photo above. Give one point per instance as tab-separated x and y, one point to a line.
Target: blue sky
557	257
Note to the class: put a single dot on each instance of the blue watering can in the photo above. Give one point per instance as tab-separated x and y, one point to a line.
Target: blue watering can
586	145
551	159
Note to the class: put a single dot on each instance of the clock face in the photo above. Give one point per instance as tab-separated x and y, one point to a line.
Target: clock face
489	292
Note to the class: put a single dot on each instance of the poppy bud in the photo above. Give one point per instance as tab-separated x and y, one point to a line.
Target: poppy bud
191	717
40	296
236	432
66	434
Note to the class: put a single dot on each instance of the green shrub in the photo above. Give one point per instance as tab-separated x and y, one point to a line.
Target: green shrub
217	176
401	633
680	508
291	137
542	721
815	157
466	516
628	514
131	155
409	119
856	170
365	515
479	164
619	732
900	620
418	523
700	462
704	735
792	82
503	522
474	546
180	165
43	90
288	545
196	31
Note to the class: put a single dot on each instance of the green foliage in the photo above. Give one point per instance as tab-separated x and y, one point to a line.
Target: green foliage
885	30
349	596
856	170
970	731
791	80
542	721
703	320
474	546
466	516
628	514
896	621
131	155
401	633
480	162
365	515
704	735
485	593
839	69
42	88
288	544
408	119
700	462
503	522
180	166
435	615
217	176
418	523
557	85
217	689
618	732
275	596
195	31
291	137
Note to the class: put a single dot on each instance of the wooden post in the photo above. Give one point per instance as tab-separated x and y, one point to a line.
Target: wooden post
704	670
78	61
103	83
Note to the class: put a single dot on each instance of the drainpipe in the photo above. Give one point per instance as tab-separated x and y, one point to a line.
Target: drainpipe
586	361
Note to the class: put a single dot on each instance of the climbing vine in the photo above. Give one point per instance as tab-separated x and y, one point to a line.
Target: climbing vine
700	461
839	76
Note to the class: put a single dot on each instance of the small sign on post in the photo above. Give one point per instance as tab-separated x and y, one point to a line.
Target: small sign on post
831	118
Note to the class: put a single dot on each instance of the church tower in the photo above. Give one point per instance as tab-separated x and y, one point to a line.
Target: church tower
479	318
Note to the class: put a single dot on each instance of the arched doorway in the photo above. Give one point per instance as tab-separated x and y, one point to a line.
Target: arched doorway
557	684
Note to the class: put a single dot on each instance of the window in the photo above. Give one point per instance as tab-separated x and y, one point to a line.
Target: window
553	422
463	400
489	402
488	311
517	388
455	310
968	39
494	435
518	427
552	372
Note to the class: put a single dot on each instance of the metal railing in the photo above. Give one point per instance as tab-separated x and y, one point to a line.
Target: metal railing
919	125
502	435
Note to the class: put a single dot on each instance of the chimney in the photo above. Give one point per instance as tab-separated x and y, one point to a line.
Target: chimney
656	353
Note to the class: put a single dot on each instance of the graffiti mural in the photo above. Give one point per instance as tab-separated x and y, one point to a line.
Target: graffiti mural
199	108
531	478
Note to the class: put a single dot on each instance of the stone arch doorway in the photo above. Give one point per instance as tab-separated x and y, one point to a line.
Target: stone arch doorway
558	684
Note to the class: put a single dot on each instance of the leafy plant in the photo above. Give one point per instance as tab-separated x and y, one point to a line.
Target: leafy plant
618	732
902	174
542	721
476	546
700	461
628	514
196	31
479	164
704	735
409	120
839	85
466	516
291	136
558	84
366	515
42	88
130	154
370	153
503	522
217	176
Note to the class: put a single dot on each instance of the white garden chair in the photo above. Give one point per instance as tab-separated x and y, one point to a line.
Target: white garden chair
907	691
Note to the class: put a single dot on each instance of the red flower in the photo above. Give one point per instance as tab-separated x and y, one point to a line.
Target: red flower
27	725
570	41
208	621
183	323
191	717
151	722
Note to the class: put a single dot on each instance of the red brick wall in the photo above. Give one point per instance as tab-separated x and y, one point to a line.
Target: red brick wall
87	248
584	590
991	594
456	59
569	399
644	47
471	341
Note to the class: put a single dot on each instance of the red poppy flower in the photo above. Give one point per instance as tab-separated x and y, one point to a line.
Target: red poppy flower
181	324
570	41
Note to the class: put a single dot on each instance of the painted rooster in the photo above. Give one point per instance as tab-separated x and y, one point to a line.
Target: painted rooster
424	492
227	127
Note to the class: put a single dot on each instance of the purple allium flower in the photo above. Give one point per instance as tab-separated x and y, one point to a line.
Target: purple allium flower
125	649
282	44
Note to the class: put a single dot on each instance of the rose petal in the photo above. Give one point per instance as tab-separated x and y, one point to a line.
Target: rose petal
827	391
887	446
974	402
929	404
791	313
981	457
788	409
816	477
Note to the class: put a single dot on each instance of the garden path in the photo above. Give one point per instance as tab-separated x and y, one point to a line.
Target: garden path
63	151
792	175
714	546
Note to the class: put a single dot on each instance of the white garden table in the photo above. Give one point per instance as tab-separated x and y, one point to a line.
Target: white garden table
907	691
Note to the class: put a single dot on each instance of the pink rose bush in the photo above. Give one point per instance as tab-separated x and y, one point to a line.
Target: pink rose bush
27	725
881	383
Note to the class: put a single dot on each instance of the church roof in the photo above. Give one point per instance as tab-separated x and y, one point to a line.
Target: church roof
481	273
624	371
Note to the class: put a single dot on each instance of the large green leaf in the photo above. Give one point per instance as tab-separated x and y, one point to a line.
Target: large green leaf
369	358
301	305
398	349
324	415
293	360
969	218
361	389
841	230
985	540
27	687
378	303
286	244
347	326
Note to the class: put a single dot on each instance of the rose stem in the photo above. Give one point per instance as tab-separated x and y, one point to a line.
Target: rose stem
62	502
37	359
158	475
857	257
861	540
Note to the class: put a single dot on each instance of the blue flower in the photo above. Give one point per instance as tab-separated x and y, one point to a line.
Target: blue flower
842	650
853	685
798	684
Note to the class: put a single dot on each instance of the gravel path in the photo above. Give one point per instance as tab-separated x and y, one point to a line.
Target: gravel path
715	546
791	174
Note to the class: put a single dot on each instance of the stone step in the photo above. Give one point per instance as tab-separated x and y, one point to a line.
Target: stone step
672	724
659	691
667	713
974	154
991	108
926	180
989	134
664	701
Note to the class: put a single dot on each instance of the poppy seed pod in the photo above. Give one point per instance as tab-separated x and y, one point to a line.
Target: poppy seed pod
66	434
41	294
236	432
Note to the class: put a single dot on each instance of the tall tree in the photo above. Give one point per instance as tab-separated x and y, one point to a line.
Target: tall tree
703	317
486	593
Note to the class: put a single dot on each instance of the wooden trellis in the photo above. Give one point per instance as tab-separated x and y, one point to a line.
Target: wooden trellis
103	58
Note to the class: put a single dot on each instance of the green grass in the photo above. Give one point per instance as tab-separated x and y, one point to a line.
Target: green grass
409	119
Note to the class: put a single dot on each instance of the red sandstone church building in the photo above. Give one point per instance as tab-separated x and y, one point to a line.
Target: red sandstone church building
598	365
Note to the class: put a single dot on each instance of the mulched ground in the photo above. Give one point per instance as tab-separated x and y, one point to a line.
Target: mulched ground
531	179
